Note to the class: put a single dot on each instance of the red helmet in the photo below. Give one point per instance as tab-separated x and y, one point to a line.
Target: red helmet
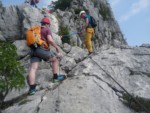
45	20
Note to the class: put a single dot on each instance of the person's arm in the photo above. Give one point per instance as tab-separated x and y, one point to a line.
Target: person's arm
35	3
51	42
86	25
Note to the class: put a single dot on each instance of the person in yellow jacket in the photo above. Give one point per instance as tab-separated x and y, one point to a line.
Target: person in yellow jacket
89	30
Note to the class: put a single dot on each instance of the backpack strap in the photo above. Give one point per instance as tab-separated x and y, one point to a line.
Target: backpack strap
46	44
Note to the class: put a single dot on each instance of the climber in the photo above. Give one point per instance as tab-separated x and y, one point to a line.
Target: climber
34	3
88	29
40	53
45	10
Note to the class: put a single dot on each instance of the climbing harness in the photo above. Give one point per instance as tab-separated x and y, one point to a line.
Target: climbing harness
144	108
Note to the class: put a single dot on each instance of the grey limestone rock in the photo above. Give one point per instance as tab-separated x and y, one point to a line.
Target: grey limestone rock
89	87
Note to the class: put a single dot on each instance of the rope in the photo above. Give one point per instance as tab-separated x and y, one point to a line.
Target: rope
144	108
73	33
58	98
58	101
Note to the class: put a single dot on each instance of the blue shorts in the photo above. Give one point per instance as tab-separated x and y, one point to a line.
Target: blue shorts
39	54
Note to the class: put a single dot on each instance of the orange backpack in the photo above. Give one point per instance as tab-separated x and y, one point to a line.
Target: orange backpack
33	38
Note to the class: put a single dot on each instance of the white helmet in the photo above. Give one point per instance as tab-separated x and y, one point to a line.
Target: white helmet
81	12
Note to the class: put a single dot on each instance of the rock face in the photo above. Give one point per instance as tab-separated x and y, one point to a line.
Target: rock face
22	49
90	87
107	30
130	67
15	20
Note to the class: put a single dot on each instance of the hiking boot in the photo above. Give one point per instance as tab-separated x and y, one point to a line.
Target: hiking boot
32	92
59	78
90	53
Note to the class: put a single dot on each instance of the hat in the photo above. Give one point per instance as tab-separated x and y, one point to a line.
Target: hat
82	12
45	20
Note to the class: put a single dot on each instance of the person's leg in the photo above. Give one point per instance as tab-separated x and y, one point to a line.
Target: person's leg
55	66
34	60
49	56
32	73
31	78
88	42
55	63
35	5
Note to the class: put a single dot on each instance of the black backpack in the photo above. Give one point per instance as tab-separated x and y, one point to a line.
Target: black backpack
93	22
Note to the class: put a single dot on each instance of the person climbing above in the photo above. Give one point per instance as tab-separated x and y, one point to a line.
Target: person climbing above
34	3
88	29
39	53
45	10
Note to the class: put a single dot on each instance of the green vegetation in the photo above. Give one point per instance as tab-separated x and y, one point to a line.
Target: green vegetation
113	34
77	10
95	2
64	30
105	12
134	105
11	72
61	4
82	45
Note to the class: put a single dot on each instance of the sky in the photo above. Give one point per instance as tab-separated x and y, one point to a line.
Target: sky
133	17
14	2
